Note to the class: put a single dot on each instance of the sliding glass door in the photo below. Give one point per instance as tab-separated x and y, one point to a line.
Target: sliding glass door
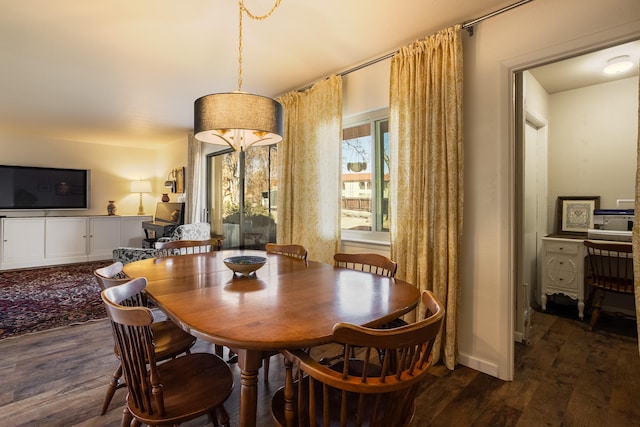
241	196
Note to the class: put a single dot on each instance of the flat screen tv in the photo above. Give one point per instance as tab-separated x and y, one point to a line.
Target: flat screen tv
27	188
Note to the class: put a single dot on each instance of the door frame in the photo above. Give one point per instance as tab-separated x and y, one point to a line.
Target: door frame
509	69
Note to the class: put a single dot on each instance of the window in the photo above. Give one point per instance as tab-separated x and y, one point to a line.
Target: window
365	177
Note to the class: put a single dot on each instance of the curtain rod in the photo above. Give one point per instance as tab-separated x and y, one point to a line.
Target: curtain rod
469	25
466	25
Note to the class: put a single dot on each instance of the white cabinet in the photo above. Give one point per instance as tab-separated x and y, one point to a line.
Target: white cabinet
132	231
39	241
65	240
563	270
22	242
104	237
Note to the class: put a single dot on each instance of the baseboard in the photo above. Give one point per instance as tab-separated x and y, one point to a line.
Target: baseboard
478	364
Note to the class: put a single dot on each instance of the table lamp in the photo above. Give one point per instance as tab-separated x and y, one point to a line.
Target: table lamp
141	187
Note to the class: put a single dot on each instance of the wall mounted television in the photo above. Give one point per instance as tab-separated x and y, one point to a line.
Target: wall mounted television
30	188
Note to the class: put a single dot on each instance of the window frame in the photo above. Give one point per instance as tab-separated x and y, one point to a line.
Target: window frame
364	236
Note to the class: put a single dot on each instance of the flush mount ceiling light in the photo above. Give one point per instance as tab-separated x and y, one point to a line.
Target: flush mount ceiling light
239	119
618	65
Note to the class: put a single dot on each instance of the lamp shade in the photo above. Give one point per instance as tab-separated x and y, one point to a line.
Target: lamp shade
239	119
140	186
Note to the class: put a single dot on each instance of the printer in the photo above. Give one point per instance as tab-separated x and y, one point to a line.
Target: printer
612	224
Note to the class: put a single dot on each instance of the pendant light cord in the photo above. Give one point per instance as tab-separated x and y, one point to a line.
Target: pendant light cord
243	9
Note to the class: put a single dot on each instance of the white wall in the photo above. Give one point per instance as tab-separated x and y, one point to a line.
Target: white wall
593	134
366	89
171	156
536	98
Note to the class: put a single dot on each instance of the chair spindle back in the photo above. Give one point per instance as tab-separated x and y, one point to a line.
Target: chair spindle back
131	324
359	390
294	251
371	263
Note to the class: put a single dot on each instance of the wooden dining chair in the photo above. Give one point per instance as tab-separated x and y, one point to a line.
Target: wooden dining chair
170	340
371	263
186	247
295	251
359	390
610	270
167	393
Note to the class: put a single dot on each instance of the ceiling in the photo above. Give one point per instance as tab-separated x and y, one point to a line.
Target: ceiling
586	70
127	72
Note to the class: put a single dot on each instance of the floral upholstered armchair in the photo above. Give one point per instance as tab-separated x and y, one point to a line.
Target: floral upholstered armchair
195	231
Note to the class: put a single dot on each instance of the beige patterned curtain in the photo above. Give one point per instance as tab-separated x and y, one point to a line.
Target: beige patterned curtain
636	231
194	181
309	169
425	135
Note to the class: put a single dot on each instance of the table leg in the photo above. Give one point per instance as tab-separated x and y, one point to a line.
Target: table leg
249	362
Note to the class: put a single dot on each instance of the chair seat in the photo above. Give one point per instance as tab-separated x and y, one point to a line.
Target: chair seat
208	376
616	284
395	323
170	339
610	270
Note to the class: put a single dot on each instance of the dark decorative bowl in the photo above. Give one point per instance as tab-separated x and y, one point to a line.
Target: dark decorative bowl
245	264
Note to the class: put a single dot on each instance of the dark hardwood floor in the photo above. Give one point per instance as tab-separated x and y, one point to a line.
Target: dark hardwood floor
565	376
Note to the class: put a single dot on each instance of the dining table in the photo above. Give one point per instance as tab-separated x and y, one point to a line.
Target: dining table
286	304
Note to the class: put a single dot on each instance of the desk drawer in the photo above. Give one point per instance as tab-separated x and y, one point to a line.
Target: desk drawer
562	263
562	248
564	279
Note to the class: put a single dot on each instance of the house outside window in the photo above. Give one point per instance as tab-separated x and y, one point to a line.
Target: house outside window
365	177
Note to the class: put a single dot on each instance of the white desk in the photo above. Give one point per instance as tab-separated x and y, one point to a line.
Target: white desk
563	269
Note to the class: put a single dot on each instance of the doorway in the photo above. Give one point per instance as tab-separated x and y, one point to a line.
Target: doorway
550	162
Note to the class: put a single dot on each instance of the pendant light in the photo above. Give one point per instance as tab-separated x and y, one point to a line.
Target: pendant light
239	119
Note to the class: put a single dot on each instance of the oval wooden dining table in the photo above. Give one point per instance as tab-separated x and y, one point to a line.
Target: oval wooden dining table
287	304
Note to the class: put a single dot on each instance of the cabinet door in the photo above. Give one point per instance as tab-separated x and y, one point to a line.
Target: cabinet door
132	231
65	240
104	237
22	242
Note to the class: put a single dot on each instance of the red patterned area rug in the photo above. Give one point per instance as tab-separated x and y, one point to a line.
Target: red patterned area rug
45	298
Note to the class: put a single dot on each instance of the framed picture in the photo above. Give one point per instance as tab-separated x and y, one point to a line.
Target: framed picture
575	214
180	175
